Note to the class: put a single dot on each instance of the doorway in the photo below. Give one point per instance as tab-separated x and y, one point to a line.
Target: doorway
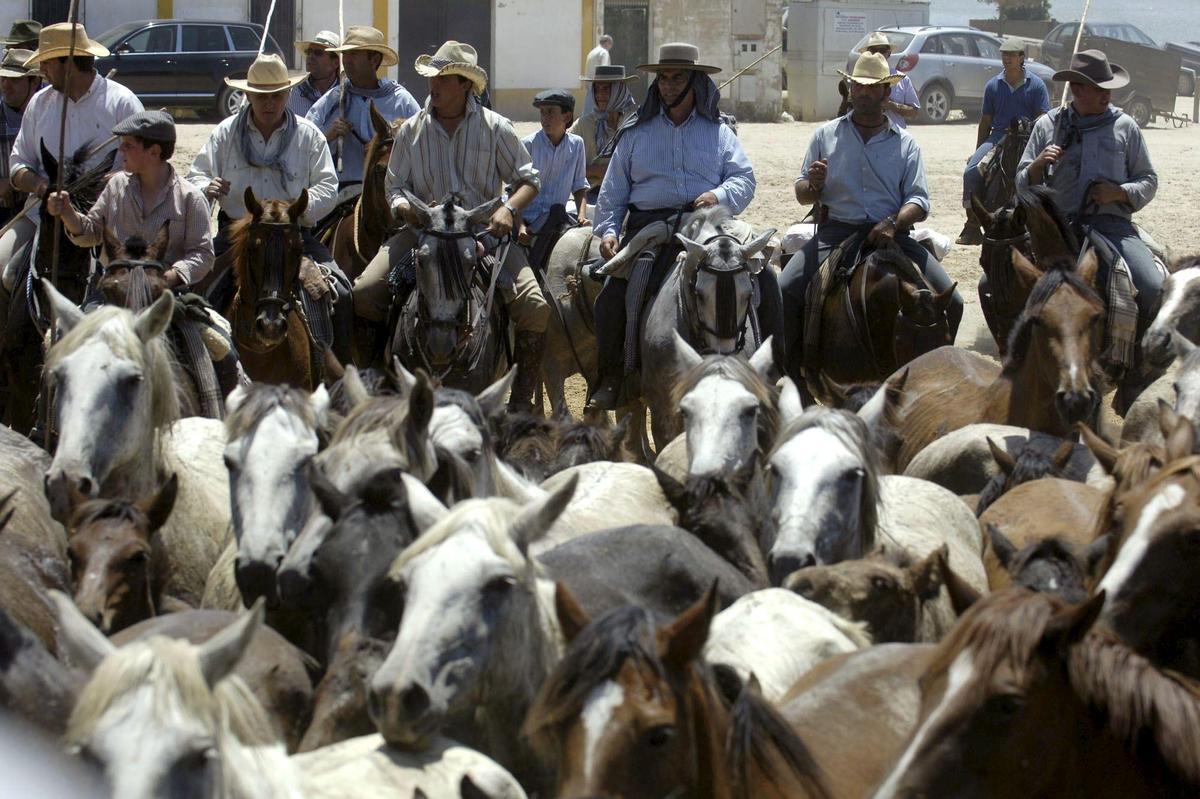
628	22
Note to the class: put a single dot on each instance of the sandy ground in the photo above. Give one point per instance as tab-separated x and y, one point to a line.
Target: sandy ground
778	149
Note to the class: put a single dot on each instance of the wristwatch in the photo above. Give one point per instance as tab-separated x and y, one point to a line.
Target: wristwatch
511	210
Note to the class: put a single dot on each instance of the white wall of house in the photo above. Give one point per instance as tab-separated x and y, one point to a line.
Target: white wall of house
537	44
322	16
100	16
10	10
236	10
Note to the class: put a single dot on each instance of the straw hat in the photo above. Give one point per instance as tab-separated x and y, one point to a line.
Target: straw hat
453	58
55	42
876	39
324	39
13	65
364	37
679	55
1092	66
614	73
267	75
871	69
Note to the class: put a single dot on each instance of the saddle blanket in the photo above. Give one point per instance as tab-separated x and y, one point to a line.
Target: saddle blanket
798	235
1120	300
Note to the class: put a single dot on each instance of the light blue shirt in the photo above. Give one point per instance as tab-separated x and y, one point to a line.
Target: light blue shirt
562	169
391	100
866	182
904	94
304	95
658	164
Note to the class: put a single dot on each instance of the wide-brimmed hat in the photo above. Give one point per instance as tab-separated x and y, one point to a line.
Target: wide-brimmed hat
22	30
267	75
871	69
1092	66
13	65
364	37
55	42
679	55
325	39
1012	44
876	39
611	73
453	58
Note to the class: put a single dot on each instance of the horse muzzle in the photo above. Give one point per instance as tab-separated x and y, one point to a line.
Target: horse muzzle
270	327
781	563
1156	347
406	716
255	579
64	487
1076	405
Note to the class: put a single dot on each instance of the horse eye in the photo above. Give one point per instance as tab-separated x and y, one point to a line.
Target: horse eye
749	413
660	736
498	586
1006	704
231	464
88	756
137	559
472	456
880	583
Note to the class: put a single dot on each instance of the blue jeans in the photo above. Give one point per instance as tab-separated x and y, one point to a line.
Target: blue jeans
972	180
1147	279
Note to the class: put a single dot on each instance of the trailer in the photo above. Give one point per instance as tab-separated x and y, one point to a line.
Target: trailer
1154	77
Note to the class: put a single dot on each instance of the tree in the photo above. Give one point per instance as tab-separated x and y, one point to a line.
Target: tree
1021	9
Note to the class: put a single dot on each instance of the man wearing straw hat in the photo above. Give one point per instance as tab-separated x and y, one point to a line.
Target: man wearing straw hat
455	145
1102	171
676	156
902	104
95	106
323	66
868	177
267	148
346	119
18	84
608	106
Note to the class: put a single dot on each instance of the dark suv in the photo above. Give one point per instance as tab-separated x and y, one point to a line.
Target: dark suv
168	62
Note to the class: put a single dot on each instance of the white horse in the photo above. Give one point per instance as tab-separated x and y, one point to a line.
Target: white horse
120	435
165	718
1178	389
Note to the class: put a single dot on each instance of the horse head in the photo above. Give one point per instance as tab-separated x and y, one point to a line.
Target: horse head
446	258
133	276
266	246
1180	310
1003	229
921	325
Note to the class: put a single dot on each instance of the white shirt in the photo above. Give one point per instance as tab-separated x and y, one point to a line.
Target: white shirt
90	121
598	57
308	159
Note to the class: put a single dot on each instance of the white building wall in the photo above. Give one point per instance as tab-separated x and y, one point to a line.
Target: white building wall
12	9
537	44
235	10
322	15
105	14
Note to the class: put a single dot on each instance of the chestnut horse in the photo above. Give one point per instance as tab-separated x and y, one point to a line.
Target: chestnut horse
634	710
1003	289
1049	380
266	314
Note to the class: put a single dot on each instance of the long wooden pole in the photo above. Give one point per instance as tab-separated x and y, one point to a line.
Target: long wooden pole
68	73
262	44
1062	104
341	81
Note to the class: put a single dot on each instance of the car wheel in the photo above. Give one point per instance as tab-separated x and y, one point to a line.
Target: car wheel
1139	108
230	101
1187	85
935	104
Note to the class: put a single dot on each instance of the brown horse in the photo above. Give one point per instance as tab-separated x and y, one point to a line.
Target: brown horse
357	237
1003	289
118	564
1049	380
266	314
1024	699
633	710
880	311
133	276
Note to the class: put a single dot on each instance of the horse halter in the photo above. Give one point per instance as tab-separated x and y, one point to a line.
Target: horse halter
454	275
728	325
273	295
137	293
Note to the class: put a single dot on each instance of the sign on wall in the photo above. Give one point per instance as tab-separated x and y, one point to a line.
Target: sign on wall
850	23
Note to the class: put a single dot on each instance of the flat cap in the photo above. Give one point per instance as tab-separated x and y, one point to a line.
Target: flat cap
1012	45
155	125
559	97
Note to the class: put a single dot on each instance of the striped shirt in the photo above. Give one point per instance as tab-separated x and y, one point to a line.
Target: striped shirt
561	171
391	100
484	154
659	164
123	210
308	159
304	95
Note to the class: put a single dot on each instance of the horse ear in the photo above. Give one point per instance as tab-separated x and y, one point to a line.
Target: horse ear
480	214
253	206
1106	454
618	432
158	247
694	249
152	322
1004	549
220	654
423	213
405	380
1181	439
686	356
834	389
66	313
329	496
763	359
536	518
420	404
85	646
571	617
112	246
1002	457
1026	271
158	507
942	299
1182	345
319	401
378	123
927	573
756	245
298	206
790	404
1070	625
1088	266
675	491
985	217
683	639
1167	418
1062	455
491	399
352	384
907	294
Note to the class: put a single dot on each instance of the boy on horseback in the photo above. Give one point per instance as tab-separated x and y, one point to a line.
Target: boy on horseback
868	177
457	146
558	157
1013	94
676	156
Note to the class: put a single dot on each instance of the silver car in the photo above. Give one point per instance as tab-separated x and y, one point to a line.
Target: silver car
949	67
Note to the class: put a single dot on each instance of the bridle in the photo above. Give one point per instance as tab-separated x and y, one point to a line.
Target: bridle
272	294
728	324
137	291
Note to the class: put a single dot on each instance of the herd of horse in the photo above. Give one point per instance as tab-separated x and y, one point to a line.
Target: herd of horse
944	581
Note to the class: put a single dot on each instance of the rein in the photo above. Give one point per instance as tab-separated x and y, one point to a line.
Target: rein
277	296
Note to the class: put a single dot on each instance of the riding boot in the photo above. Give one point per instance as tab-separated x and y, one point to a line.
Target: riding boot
971	232
528	350
610	346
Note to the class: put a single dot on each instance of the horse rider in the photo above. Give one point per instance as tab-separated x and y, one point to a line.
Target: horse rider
23	35
344	113
607	107
269	149
676	156
1013	94
902	104
456	146
95	106
1101	169
18	84
866	176
558	157
322	65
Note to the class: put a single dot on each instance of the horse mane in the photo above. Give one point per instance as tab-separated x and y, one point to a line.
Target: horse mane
385	412
1185	262
114	326
1136	464
116	509
853	434
1045	199
1022	332
739	370
239	231
492	516
376	142
260	400
466	401
171	669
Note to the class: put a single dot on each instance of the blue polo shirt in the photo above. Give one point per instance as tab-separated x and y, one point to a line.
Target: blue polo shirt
1004	104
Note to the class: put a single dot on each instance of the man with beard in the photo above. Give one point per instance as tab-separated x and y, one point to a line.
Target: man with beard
868	177
18	83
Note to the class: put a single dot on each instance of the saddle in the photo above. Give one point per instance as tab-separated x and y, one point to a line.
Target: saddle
203	342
